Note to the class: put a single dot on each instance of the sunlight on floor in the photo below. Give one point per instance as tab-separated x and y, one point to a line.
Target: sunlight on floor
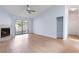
75	39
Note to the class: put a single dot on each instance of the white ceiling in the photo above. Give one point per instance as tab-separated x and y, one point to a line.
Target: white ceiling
73	6
20	10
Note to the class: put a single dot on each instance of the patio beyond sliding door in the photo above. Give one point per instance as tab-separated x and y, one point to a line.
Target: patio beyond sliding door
21	27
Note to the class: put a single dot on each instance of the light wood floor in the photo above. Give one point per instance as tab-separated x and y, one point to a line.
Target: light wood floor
33	43
75	37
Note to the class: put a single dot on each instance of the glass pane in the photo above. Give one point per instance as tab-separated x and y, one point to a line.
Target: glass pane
21	26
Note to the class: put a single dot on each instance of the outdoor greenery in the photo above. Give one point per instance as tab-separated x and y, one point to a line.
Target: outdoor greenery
21	26
21	23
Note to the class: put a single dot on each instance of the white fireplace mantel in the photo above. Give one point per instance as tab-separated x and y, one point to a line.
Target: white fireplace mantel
7	37
4	26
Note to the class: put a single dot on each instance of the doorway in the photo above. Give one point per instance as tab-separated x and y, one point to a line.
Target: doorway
73	26
60	27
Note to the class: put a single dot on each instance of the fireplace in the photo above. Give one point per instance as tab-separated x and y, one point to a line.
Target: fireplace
5	32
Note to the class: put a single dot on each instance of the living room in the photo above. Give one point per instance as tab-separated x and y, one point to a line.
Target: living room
35	28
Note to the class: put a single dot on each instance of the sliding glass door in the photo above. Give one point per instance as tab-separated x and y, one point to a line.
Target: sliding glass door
21	27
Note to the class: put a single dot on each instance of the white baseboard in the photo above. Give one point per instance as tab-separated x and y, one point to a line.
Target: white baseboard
46	35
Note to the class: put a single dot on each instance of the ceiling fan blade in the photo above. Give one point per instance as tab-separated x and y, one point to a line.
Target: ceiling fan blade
29	10
33	10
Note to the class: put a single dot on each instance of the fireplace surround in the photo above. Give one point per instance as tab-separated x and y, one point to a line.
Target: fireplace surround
5	32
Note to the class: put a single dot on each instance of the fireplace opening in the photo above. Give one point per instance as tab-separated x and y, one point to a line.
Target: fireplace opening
5	32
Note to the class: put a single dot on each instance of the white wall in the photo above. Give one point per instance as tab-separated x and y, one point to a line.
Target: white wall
30	25
45	24
73	23
65	27
5	19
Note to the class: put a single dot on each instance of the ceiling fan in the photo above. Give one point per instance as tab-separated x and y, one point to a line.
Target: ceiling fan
29	10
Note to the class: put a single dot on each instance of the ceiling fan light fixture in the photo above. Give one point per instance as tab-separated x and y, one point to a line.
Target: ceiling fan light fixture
29	10
73	9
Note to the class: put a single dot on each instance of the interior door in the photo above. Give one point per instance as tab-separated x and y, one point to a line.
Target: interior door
60	27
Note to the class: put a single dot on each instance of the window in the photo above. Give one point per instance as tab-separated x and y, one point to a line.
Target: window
21	26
